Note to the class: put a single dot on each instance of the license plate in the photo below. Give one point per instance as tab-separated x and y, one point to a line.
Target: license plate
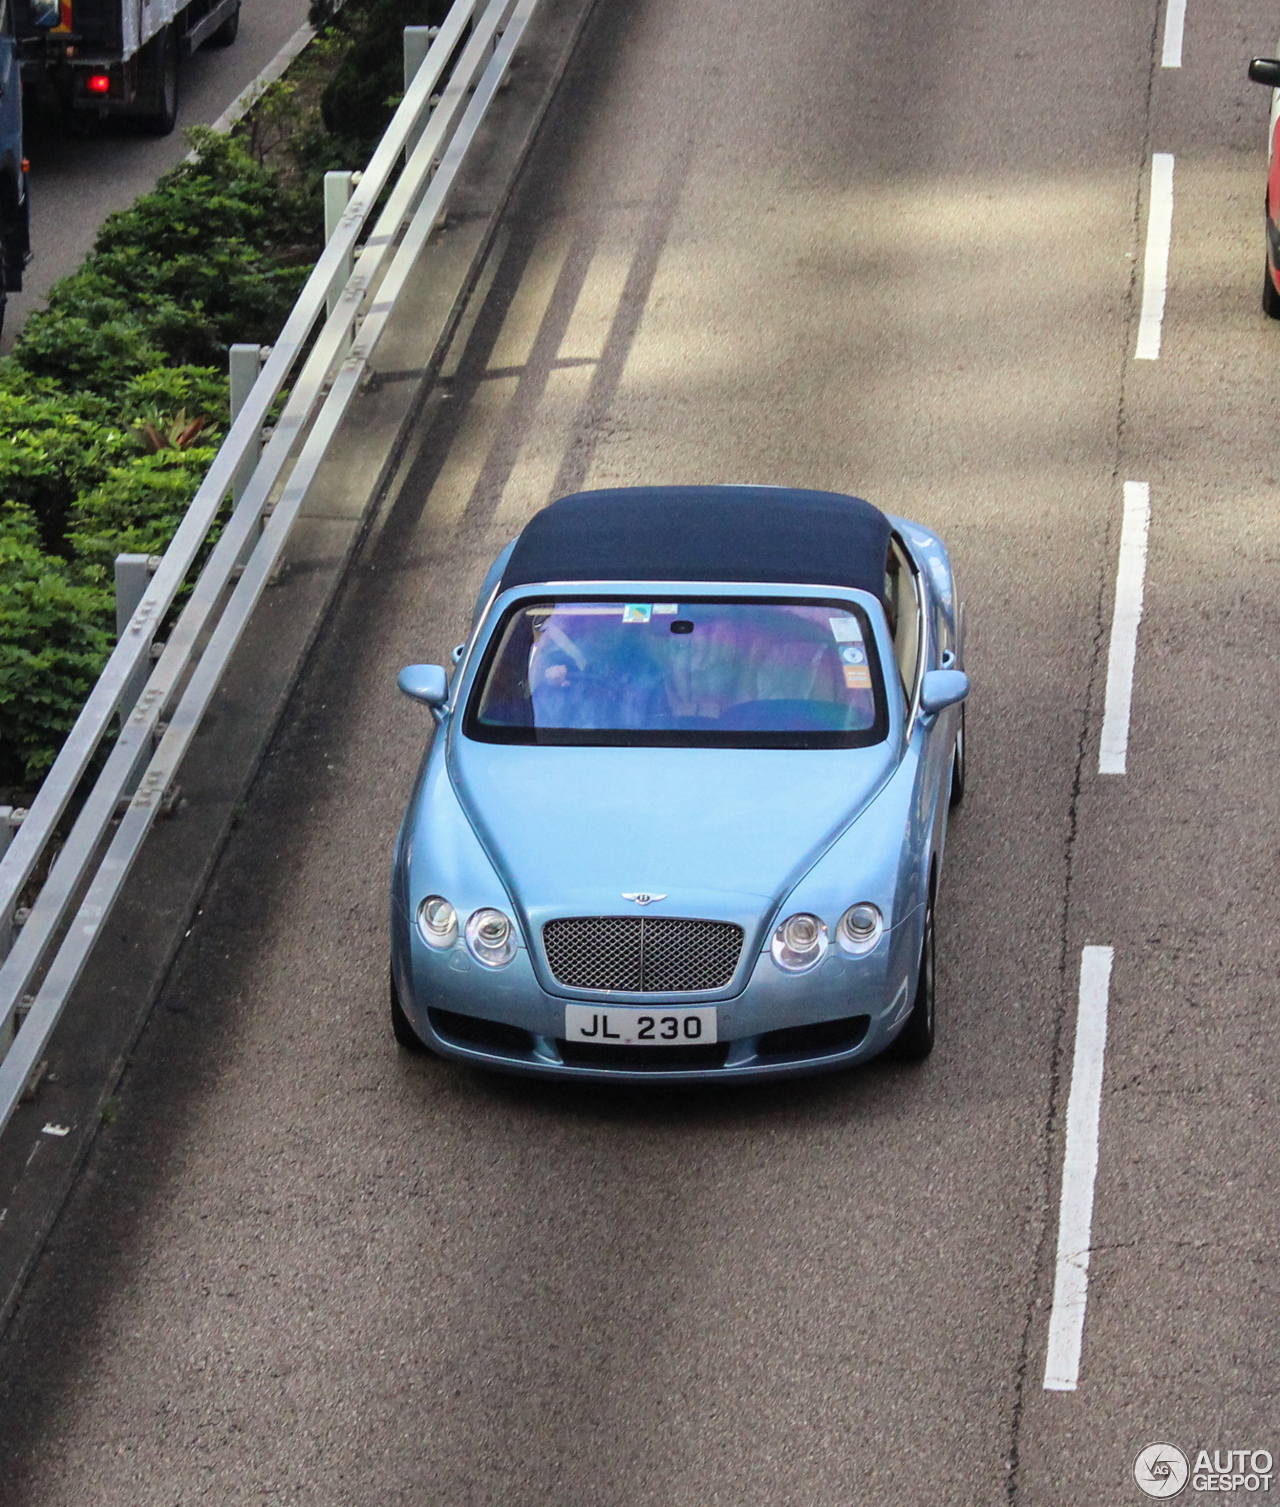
641	1028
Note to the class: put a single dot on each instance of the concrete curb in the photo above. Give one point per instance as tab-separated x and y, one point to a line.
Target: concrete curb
46	1142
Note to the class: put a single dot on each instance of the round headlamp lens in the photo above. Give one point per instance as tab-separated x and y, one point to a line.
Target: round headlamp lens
799	943
491	938
437	922
860	928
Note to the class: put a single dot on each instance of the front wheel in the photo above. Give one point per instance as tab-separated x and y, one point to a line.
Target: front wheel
916	1040
401	1025
957	765
1270	297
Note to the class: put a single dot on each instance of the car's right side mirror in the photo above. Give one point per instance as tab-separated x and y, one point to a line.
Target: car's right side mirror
426	683
942	688
1265	71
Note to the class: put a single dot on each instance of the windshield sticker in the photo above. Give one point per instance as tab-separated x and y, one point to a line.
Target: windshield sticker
857	677
637	612
852	656
845	630
665	609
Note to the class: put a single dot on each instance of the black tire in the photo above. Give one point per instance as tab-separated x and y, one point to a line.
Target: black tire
401	1025
1270	298
915	1041
958	765
227	32
164	62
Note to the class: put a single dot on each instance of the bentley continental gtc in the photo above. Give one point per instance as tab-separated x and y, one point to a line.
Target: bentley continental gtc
684	811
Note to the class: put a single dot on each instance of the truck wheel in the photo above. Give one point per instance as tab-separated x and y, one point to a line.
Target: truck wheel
227	32
164	70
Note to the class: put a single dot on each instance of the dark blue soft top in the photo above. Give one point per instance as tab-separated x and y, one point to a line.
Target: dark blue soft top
773	535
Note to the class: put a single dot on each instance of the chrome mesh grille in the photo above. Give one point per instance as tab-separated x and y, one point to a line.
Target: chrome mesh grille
642	954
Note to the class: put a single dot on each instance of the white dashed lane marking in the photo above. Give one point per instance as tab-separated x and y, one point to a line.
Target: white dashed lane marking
1079	1171
1175	16
1155	266
1130	577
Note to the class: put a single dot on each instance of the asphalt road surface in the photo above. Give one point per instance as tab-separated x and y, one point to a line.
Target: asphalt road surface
78	177
892	249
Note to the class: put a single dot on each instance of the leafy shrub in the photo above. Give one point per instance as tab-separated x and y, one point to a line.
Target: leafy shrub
208	258
136	509
55	635
94	339
220	195
52	448
361	98
164	391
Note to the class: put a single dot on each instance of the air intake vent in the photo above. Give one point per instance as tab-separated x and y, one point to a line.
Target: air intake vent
642	954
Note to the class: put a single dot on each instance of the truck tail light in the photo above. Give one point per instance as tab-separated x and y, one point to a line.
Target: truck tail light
98	83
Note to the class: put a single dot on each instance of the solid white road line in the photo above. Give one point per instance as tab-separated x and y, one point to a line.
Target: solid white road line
1130	577
1175	16
1155	267
1079	1170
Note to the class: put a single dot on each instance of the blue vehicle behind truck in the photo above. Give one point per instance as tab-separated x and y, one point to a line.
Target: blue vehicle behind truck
15	228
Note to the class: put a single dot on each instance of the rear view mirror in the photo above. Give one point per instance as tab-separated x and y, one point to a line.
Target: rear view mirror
941	689
425	683
1265	71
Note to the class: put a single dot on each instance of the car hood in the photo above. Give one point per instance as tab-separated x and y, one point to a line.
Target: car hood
721	833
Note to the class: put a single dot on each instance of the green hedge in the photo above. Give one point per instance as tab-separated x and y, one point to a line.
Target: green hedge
114	399
110	408
55	635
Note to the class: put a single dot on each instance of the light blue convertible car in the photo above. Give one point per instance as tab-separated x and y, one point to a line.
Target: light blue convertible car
684	814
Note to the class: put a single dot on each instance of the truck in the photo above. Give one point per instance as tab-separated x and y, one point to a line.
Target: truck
105	58
15	224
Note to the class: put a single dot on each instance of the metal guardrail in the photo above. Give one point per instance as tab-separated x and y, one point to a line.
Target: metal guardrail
433	131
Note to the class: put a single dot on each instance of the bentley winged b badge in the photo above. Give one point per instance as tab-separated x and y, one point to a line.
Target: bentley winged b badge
643	897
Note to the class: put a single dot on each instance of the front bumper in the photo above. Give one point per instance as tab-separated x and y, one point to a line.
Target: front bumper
778	1026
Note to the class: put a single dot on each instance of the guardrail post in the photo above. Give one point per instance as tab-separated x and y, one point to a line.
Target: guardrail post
245	364
337	193
417	42
133	573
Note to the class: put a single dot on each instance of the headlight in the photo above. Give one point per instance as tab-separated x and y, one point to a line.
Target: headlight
491	938
799	943
859	929
437	922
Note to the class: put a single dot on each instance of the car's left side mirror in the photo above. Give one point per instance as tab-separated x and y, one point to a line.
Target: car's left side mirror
941	689
1265	71
426	683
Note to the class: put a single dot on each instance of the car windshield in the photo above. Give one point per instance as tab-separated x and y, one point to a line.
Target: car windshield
754	674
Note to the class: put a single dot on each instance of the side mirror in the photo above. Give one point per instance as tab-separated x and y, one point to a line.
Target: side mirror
425	683
941	689
1265	71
